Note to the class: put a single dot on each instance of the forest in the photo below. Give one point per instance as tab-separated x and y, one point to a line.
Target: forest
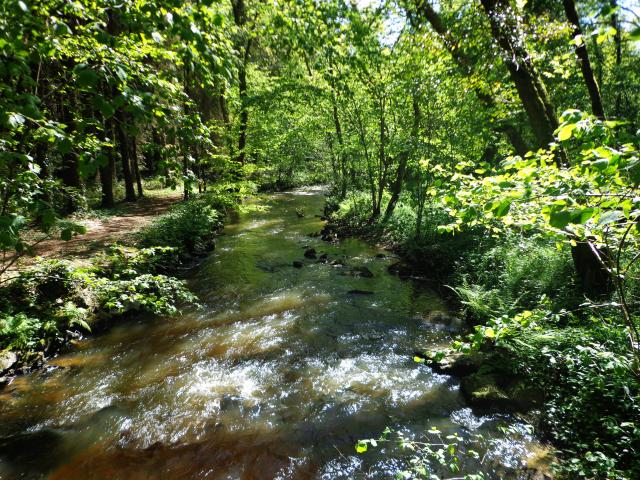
455	181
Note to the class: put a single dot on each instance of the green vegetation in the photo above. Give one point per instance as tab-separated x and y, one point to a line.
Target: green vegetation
493	143
43	306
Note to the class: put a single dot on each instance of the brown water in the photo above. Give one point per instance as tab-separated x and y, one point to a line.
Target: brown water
278	376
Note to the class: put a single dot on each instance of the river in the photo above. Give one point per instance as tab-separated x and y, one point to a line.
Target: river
277	376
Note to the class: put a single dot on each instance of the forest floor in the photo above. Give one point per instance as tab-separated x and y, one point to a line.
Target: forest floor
104	227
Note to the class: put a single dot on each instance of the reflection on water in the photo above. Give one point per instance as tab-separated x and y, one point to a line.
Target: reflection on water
277	377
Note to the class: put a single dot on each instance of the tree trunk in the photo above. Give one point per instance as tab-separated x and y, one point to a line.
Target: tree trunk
69	173
583	55
106	179
529	86
467	66
590	264
125	149
396	187
617	40
240	17
136	166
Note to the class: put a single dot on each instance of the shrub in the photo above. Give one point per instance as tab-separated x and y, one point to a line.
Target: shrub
127	262
156	294
188	227
19	331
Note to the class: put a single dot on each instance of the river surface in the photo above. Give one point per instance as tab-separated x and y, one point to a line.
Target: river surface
277	376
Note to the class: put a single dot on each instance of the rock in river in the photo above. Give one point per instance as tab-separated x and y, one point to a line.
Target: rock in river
7	360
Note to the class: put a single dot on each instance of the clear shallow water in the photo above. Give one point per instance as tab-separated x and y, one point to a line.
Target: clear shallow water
277	376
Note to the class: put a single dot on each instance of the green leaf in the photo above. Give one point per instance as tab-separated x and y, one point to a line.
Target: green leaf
634	35
489	333
565	131
610	217
87	78
560	219
15	120
502	208
361	446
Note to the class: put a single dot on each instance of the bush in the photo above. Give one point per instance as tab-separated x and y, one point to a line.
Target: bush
516	274
592	410
156	294
127	262
189	227
20	332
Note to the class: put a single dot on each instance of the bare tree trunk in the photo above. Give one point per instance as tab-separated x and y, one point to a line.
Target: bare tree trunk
583	55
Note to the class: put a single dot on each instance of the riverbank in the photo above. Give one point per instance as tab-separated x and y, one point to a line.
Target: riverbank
531	343
128	265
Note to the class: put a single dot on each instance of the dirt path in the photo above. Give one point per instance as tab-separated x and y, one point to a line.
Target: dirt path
119	227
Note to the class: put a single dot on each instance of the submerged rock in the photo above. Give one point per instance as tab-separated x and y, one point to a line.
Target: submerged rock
484	391
400	269
310	253
324	258
494	391
297	264
360	292
441	320
361	272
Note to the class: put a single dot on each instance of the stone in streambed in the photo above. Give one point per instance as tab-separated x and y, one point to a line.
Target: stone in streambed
400	269
361	272
297	264
324	258
7	360
310	253
360	292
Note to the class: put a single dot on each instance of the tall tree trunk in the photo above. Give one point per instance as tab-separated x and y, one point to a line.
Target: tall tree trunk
617	40
69	173
583	55
136	166
125	153
382	160
240	18
107	172
529	86
467	66
396	186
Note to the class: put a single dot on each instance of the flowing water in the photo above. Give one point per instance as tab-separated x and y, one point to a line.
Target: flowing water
277	376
